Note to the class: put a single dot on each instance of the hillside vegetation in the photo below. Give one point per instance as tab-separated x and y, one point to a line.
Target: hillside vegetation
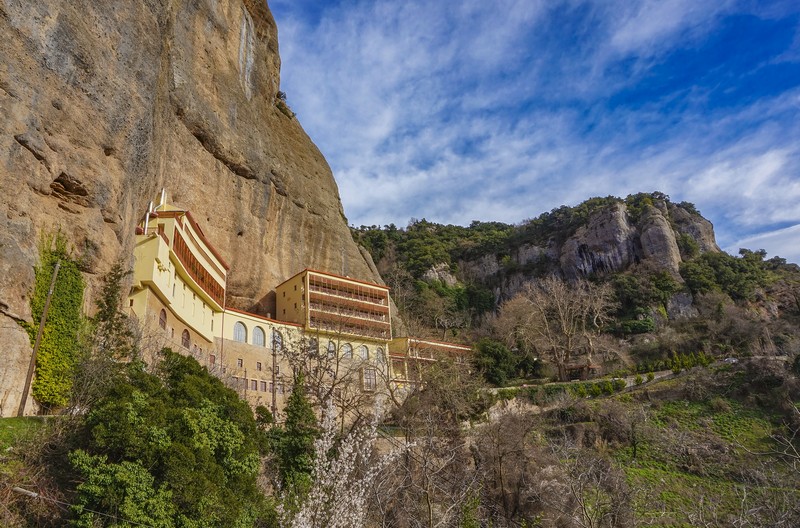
710	302
690	415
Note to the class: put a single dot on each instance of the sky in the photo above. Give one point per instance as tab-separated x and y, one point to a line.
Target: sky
467	110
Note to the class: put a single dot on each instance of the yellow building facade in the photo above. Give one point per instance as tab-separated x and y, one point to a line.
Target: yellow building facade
336	329
410	356
179	280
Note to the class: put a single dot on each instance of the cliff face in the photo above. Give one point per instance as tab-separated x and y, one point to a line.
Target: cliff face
610	241
105	103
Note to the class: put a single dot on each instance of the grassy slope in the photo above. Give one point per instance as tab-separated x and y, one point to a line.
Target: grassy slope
695	460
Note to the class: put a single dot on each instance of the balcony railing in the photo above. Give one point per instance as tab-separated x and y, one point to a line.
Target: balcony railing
339	310
345	328
347	294
196	270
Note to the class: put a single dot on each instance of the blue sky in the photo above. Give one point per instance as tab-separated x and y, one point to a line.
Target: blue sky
471	110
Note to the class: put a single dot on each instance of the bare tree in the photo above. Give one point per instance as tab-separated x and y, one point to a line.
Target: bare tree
558	318
434	479
594	493
338	372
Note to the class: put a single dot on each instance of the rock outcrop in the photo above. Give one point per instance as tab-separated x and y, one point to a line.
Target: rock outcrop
105	103
605	244
610	241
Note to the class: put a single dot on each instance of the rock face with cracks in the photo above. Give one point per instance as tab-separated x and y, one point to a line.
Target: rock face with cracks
610	241
106	103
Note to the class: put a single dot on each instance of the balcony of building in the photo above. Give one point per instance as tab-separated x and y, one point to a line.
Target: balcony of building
335	325
345	290
328	296
334	309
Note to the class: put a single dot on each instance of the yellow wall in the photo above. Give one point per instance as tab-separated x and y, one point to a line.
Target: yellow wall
290	300
158	268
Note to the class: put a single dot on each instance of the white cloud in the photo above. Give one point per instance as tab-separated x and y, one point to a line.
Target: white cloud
647	27
780	242
491	111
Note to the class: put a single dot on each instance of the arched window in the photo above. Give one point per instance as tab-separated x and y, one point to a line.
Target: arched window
212	359
347	351
258	336
162	319
277	341
240	332
331	349
363	352
381	355
313	347
185	342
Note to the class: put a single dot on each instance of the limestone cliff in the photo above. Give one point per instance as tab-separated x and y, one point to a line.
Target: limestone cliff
611	240
104	103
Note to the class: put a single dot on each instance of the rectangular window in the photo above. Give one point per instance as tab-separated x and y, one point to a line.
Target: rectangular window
239	362
254	385
258	365
370	379
277	369
271	386
280	388
263	386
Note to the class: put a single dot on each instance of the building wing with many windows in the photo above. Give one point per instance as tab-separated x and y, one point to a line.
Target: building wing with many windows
332	304
338	328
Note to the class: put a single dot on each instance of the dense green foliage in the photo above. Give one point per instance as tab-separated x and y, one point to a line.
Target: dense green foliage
496	361
500	365
424	245
174	448
737	277
59	348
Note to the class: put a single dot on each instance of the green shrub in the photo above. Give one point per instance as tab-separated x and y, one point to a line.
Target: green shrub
507	394
720	405
174	449
532	393
637	326
619	384
638	379
650	376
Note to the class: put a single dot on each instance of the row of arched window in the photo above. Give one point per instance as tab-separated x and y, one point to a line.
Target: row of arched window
259	337
362	352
